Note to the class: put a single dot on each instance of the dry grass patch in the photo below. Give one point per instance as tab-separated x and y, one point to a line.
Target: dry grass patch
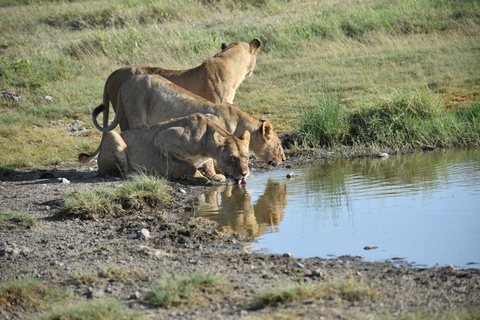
28	294
12	220
350	289
191	289
92	310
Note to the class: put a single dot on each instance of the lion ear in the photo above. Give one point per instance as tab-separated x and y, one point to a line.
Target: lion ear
218	138
255	45
224	45
246	136
267	130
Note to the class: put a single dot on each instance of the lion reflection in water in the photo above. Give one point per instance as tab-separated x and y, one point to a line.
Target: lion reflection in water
234	211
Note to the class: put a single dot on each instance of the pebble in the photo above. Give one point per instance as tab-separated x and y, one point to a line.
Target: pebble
135	296
143	234
290	175
181	190
288	255
94	293
370	247
63	181
318	273
382	155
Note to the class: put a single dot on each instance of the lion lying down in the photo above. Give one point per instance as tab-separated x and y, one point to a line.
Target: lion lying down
216	79
174	149
144	99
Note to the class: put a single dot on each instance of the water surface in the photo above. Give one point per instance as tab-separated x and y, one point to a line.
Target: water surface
423	208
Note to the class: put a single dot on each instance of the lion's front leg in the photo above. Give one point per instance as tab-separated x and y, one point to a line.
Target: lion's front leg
211	173
176	153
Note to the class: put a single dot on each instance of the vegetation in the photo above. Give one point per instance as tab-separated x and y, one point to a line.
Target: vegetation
380	56
92	310
349	289
174	292
28	294
17	220
139	192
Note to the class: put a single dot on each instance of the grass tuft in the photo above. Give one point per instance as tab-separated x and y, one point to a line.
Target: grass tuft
17	220
92	310
173	292
28	294
350	289
139	192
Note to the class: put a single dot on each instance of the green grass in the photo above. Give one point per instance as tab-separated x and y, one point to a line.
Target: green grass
402	121
17	220
92	310
28	294
366	50
174	292
340	290
139	192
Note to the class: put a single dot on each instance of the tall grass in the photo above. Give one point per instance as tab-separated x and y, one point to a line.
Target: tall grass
403	120
67	49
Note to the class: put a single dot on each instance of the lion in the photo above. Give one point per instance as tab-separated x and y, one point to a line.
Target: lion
216	79
148	98
174	149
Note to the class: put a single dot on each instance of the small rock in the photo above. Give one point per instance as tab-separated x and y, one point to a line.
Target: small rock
318	273
49	98
63	181
370	247
290	175
135	296
143	234
181	190
243	313
10	95
94	293
300	265
56	264
452	267
382	155
287	255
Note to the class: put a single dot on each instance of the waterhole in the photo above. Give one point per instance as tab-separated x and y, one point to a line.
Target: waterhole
418	209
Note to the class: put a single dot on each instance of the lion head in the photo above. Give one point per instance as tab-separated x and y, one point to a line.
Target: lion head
233	160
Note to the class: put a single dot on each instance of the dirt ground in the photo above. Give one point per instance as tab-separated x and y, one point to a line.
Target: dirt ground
57	251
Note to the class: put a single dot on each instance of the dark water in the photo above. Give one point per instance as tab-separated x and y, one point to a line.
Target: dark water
423	208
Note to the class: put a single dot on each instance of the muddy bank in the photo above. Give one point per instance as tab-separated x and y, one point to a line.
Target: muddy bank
66	253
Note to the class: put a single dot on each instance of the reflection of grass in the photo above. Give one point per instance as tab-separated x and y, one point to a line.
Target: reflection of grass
350	289
365	49
171	292
140	192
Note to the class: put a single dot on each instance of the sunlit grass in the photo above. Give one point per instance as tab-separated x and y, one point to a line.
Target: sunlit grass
92	310
365	50
137	193
174	292
28	294
17	220
340	290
